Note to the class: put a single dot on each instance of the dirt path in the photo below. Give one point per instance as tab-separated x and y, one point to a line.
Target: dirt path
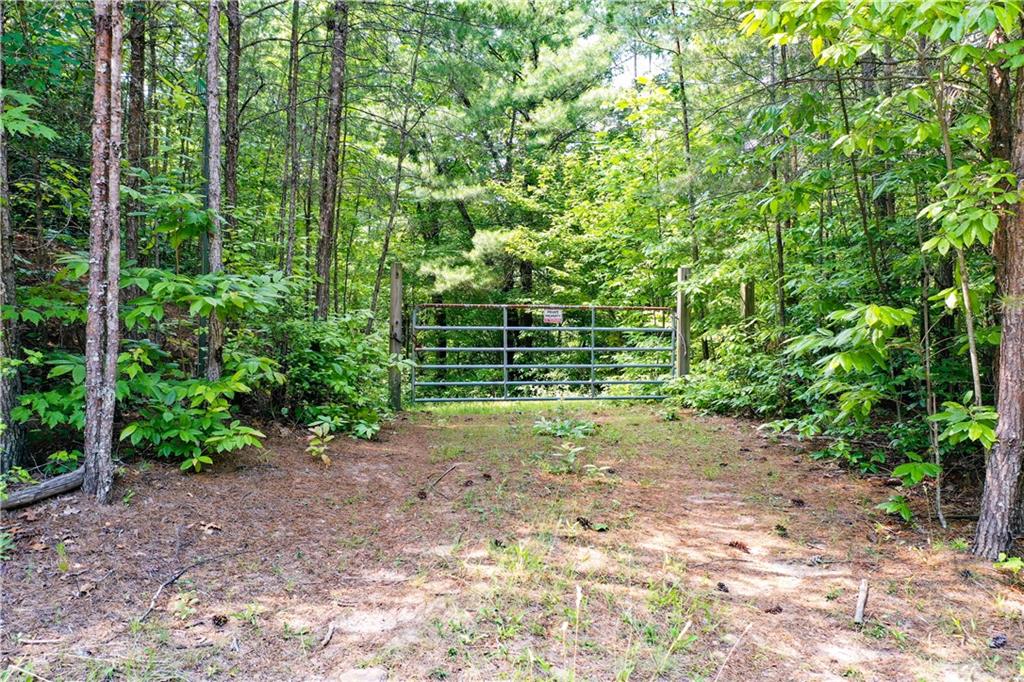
677	550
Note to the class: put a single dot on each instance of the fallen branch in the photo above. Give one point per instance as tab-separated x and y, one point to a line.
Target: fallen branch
48	488
862	602
174	578
440	478
327	638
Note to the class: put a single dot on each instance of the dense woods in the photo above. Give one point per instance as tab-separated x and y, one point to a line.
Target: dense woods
852	167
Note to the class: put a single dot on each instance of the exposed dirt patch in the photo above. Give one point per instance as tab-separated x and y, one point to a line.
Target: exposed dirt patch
705	542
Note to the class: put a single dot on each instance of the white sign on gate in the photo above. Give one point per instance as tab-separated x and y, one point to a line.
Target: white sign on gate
552	316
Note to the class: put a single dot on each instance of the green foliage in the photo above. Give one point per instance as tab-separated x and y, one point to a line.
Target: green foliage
1011	565
14	476
331	370
865	461
318	439
897	505
574	429
915	470
63	461
6	545
565	459
967	422
746	381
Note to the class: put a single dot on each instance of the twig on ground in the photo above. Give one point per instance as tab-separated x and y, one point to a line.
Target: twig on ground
327	638
862	601
40	641
174	578
440	478
729	655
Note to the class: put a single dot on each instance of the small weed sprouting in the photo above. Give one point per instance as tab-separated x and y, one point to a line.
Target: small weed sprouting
250	614
6	545
1010	566
300	633
568	427
318	439
183	605
63	563
565	459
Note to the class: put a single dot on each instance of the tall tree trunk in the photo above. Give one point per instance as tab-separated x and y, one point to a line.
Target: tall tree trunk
965	281
307	214
329	177
11	435
152	111
293	145
136	125
215	341
396	187
232	141
102	326
1003	470
869	239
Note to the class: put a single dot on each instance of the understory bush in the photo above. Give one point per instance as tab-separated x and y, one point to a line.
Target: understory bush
333	372
327	372
743	380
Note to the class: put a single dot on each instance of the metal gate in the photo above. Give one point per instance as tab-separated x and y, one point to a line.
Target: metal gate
519	352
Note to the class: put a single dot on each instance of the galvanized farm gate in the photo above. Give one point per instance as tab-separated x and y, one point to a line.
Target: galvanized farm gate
529	352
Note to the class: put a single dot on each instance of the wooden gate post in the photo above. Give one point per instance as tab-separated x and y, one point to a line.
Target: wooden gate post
747	299
682	323
396	334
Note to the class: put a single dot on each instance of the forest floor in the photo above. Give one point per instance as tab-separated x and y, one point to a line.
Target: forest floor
451	549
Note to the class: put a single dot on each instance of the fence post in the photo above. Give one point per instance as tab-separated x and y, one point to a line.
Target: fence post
747	299
395	335
682	323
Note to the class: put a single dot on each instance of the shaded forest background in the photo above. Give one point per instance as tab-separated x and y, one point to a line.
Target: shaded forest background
854	160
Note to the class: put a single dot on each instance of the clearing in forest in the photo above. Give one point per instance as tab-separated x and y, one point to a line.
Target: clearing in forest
470	546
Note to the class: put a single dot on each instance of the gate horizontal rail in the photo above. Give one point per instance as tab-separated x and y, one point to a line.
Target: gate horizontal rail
511	371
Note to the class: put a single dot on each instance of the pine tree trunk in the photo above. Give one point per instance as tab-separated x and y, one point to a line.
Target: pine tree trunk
11	435
216	258
136	125
397	186
999	499
232	139
293	145
102	326
329	177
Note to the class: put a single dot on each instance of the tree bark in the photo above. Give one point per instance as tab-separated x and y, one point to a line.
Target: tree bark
329	177
215	339
137	132
45	490
1003	470
232	139
11	435
293	145
102	326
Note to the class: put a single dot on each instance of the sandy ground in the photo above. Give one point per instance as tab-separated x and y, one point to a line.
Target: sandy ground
458	547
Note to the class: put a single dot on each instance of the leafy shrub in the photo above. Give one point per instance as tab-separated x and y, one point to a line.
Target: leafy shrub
332	371
866	462
1011	565
743	380
564	428
166	412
